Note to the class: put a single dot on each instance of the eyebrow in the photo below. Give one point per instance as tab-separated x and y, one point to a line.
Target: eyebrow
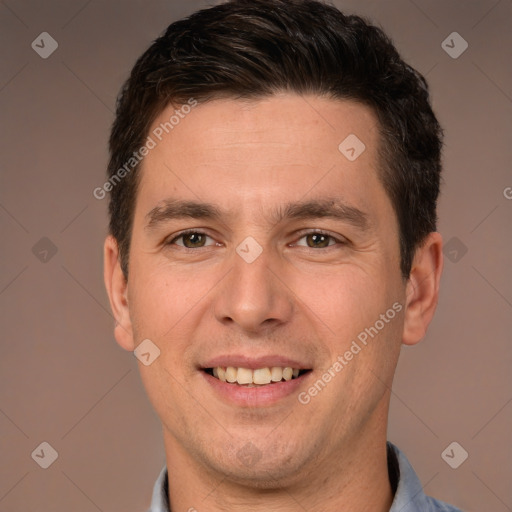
336	209
170	209
324	208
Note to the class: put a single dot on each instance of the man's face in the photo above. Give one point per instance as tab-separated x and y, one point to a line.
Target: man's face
291	252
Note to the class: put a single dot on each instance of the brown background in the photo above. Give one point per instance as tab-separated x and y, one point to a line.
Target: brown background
63	378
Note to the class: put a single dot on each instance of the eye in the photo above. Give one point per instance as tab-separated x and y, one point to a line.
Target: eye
192	240
317	240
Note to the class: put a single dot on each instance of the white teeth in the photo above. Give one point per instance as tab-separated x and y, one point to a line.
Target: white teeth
261	376
231	374
244	376
257	377
277	373
287	373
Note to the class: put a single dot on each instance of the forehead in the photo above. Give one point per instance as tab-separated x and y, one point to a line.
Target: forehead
243	153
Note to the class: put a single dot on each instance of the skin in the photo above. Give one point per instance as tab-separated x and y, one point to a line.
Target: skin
250	158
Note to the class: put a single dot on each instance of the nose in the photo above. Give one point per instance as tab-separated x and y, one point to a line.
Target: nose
254	298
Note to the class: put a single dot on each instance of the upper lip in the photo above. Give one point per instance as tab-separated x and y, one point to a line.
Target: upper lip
243	361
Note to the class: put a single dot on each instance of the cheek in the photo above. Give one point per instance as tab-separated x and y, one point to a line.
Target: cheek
161	297
344	299
346	306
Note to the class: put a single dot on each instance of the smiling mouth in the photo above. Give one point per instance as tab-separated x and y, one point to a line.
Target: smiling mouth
258	377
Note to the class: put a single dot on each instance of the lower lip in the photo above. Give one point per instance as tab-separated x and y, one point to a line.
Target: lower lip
257	396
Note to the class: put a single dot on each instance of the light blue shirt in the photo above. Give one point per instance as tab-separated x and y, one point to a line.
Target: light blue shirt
409	496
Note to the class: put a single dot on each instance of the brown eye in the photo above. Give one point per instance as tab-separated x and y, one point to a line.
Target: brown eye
318	240
192	240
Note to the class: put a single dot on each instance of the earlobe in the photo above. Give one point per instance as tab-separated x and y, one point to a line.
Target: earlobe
117	290
422	291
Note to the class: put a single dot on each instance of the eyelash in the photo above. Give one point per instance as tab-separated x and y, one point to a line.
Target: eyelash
185	233
321	233
302	235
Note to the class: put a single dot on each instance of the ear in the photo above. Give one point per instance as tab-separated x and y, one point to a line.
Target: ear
422	291
117	289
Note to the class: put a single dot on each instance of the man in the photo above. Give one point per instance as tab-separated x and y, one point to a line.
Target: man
274	175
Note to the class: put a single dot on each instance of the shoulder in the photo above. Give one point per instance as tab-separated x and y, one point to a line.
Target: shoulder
409	495
440	506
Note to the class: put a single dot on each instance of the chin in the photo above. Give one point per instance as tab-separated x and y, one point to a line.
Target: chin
267	478
250	465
